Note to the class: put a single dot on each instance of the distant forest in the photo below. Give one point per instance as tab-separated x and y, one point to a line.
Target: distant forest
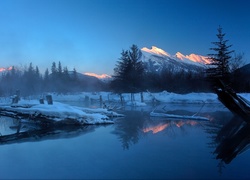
60	80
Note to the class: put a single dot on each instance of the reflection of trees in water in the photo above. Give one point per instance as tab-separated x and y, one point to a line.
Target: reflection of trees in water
229	139
32	132
213	127
233	139
129	128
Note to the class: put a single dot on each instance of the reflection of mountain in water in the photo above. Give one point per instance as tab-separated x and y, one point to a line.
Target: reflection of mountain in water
163	125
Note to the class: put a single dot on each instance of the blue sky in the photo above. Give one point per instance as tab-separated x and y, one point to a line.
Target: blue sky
89	35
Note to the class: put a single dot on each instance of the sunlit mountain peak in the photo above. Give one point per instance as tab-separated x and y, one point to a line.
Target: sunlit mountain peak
102	76
180	56
193	57
156	50
5	69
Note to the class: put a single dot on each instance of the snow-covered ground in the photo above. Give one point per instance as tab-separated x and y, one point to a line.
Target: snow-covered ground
138	99
164	97
57	112
62	110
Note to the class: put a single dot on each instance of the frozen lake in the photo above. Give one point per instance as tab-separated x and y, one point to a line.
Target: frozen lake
134	147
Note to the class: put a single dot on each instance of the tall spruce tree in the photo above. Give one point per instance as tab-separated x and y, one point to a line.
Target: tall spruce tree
46	74
59	68
220	59
128	72
53	69
46	80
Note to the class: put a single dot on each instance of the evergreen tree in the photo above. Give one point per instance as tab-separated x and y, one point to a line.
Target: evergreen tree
137	68
38	80
54	78
46	80
53	69
219	66
59	68
11	81
75	77
46	74
129	71
66	73
37	73
31	69
120	82
31	79
13	71
66	79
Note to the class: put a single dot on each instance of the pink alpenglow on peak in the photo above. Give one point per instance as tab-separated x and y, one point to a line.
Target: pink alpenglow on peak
156	50
102	76
5	69
193	57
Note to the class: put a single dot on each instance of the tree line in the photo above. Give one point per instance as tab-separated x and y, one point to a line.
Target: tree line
29	81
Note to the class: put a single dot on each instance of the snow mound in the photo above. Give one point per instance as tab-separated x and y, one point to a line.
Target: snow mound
60	112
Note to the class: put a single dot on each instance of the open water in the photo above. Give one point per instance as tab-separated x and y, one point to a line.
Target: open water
134	147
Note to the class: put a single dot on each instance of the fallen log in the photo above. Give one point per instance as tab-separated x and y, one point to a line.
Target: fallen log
234	102
174	116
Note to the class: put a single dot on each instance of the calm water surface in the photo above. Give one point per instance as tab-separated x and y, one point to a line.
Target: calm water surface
134	147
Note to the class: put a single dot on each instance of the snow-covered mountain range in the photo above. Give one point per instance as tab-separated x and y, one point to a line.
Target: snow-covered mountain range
187	58
103	77
155	59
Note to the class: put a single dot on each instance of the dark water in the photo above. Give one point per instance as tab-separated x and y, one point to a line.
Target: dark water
134	147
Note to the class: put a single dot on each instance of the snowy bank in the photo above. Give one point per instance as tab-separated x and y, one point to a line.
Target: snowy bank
58	112
138	100
190	98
